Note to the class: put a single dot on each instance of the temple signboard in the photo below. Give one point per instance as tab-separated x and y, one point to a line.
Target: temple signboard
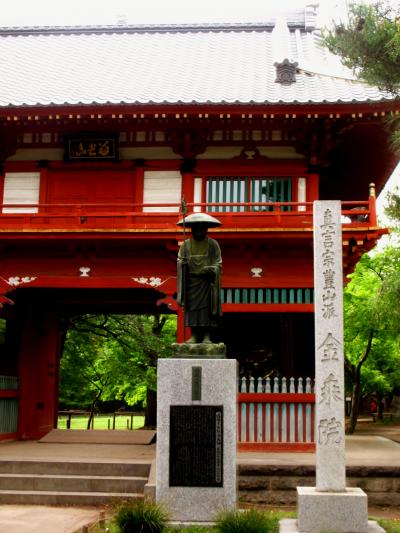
90	147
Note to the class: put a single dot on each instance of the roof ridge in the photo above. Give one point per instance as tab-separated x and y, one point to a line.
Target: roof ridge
147	28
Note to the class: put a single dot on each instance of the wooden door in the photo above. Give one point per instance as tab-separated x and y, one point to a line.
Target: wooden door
77	195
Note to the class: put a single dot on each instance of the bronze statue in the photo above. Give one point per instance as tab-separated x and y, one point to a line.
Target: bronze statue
199	277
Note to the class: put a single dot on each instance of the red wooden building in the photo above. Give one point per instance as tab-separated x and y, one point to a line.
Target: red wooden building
104	129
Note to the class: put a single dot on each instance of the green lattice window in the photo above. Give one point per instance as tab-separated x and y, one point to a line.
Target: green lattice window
8	415
232	189
268	296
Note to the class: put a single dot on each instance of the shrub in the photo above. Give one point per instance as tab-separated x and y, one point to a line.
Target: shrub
251	521
141	516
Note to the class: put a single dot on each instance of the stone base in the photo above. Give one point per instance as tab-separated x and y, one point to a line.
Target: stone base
341	512
182	525
218	388
201	350
289	525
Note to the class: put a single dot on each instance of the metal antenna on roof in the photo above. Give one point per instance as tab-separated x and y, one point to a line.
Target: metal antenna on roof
122	19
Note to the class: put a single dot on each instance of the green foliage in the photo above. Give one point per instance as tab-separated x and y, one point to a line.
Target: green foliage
392	209
369	44
141	516
113	357
372	322
249	521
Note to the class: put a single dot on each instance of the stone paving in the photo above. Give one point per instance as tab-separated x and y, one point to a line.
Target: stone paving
42	519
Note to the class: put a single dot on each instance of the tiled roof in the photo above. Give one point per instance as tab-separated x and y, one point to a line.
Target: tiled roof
207	64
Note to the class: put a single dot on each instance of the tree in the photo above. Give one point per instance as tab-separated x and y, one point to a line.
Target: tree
114	357
392	208
369	44
372	348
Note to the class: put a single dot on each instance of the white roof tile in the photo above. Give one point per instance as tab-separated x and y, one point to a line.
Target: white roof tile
155	66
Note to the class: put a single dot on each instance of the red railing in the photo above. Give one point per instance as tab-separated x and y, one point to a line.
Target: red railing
163	215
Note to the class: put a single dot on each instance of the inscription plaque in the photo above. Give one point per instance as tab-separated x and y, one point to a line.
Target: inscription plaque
196	383
195	456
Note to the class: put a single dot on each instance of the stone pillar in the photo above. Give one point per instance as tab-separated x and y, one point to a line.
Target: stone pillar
196	433
330	506
329	360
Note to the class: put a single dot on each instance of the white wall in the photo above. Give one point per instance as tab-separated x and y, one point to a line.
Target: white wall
162	187
21	188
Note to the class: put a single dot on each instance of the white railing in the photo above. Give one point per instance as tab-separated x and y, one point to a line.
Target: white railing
276	414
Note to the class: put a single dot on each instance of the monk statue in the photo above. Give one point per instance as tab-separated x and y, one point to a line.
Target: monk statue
199	277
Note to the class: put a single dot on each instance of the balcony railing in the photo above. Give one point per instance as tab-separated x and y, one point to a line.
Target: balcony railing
276	414
162	215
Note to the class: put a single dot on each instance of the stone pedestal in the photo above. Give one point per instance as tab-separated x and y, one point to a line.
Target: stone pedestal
196	437
342	512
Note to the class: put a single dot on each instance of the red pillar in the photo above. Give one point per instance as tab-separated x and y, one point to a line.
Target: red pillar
180	326
188	188
182	333
38	372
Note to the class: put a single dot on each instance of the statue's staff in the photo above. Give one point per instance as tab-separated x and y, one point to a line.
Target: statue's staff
183	212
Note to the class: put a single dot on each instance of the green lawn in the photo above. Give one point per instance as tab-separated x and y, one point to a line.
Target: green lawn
122	421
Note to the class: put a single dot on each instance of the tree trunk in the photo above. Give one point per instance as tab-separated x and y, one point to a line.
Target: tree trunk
91	415
355	404
355	372
150	415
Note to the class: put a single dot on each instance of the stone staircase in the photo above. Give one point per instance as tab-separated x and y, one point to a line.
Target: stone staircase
276	484
48	482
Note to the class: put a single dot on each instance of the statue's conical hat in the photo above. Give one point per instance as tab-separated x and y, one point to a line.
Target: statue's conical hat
200	218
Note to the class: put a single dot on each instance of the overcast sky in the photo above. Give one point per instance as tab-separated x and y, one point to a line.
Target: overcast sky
84	12
77	12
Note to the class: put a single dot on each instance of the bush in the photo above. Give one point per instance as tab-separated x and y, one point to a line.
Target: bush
251	521
141	516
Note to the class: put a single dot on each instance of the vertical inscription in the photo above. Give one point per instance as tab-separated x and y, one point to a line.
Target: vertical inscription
329	362
218	447
196	446
196	383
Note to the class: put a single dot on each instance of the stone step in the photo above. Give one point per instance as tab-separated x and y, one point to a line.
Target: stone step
64	483
29	497
140	469
276	485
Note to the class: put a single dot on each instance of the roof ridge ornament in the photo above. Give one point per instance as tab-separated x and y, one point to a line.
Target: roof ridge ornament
310	16
286	72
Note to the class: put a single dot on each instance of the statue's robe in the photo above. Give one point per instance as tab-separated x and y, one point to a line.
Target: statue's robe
199	288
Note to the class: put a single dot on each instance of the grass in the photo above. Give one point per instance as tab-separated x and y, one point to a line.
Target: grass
141	516
271	517
101	422
389	525
248	521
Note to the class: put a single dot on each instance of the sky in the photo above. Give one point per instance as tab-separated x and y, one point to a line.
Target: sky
78	12
104	12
